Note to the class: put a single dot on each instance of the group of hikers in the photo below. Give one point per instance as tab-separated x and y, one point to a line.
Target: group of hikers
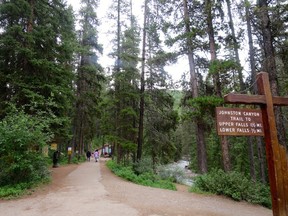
94	154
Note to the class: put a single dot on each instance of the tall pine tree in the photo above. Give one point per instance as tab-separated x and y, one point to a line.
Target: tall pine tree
89	78
37	43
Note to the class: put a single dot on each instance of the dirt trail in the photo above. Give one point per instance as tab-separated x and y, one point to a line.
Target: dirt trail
78	190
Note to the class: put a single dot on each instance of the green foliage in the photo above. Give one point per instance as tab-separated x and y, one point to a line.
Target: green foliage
75	159
238	151
35	59
162	57
21	138
234	185
224	69
13	191
89	77
128	145
97	142
202	106
222	66
161	121
177	95
145	165
214	152
145	178
120	112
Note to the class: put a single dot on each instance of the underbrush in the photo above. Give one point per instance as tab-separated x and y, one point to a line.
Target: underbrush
22	165
64	159
233	185
144	178
28	170
20	189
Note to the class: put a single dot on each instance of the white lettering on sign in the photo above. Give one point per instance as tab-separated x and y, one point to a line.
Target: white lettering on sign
229	112
239	121
227	130
251	114
230	124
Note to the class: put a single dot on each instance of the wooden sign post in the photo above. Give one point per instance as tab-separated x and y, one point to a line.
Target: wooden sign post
275	153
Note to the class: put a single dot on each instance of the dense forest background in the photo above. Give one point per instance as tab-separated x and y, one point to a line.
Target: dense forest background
55	90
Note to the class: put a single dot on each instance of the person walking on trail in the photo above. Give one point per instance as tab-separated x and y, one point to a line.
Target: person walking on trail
56	156
88	155
96	155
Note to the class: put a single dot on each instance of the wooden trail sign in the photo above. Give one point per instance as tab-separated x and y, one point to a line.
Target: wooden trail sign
275	153
239	122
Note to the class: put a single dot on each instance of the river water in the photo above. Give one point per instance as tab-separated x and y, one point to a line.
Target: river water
184	174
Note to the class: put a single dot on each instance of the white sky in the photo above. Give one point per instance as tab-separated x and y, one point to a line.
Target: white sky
175	71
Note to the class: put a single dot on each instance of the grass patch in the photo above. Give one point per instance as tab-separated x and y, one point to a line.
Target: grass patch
18	190
197	190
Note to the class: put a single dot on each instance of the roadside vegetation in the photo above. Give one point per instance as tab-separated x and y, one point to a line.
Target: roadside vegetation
146	178
233	185
22	167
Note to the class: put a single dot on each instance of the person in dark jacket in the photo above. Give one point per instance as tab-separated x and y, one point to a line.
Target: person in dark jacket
56	156
88	155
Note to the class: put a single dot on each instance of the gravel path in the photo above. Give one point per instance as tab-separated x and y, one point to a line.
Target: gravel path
90	188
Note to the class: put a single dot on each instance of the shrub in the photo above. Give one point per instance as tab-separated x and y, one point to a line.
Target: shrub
234	185
145	178
143	166
21	138
13	191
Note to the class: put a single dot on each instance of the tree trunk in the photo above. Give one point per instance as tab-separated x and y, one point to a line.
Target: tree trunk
212	45
235	45
261	158
216	79
200	129
225	153
253	80
117	84
193	78
201	147
142	89
270	65
251	46
31	18
251	158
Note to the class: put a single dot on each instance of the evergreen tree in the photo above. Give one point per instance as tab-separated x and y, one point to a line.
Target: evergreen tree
269	62
252	60
233	40
89	78
160	119
129	90
37	44
189	34
142	86
125	79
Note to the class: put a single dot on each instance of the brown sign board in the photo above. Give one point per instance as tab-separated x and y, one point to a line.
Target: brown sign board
239	122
